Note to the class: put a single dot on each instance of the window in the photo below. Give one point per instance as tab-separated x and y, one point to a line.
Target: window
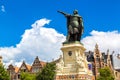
24	70
18	76
98	59
116	74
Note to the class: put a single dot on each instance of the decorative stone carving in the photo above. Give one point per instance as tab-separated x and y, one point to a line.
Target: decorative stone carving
60	64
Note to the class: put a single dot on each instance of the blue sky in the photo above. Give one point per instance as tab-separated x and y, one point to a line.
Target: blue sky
102	15
101	23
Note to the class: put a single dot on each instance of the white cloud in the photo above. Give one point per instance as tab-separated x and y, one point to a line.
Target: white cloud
3	8
37	41
105	40
46	43
8	53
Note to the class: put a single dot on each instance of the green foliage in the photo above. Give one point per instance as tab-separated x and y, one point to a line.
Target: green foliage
47	73
105	74
27	76
3	73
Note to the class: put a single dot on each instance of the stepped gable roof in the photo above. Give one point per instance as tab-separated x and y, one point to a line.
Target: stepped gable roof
11	67
28	67
14	68
37	62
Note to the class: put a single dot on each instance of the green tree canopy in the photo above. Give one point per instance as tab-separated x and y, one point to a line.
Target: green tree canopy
105	74
3	73
27	76
47	73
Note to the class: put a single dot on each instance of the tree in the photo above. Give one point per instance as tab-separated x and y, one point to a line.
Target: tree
47	73
3	73
105	74
27	76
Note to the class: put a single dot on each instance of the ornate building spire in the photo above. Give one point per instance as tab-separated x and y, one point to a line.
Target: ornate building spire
108	53
97	60
96	46
108	59
97	49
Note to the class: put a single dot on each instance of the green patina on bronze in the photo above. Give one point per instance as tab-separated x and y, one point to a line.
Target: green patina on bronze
74	27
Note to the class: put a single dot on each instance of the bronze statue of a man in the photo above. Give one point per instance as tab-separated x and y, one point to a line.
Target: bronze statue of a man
74	26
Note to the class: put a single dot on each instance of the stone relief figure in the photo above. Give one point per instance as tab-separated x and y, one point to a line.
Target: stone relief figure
74	26
60	64
79	63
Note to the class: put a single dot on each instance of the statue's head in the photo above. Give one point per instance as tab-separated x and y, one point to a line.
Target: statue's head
75	12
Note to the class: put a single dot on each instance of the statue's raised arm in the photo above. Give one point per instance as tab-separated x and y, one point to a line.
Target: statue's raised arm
65	14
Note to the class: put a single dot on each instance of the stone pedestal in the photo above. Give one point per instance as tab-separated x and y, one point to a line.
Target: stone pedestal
73	65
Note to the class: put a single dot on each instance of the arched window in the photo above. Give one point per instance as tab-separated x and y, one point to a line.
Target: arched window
116	74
